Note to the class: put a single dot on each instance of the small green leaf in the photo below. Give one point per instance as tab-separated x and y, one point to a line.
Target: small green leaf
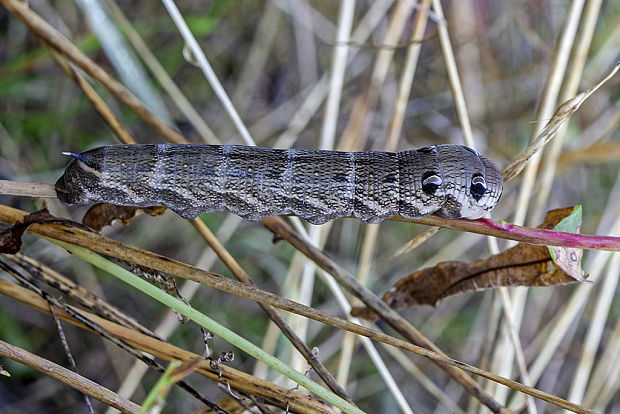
572	223
569	224
569	258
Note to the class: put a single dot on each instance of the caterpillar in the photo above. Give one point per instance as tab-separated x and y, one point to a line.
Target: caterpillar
453	181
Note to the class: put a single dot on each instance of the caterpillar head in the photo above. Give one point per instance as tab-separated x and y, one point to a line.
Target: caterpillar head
473	183
80	182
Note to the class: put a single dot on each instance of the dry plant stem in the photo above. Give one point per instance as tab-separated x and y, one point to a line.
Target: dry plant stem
464	25
312	100
596	328
239	380
160	74
545	112
230	262
304	33
208	71
337	73
596	153
170	321
361	114
75	292
99	104
132	254
68	377
513	333
453	76
266	31
77	315
406	79
390	316
53	38
371	350
416	372
415	242
604	377
559	118
316	364
604	385
486	227
27	189
65	345
573	77
395	127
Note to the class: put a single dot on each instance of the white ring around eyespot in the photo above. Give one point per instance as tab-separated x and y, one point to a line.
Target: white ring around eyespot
432	179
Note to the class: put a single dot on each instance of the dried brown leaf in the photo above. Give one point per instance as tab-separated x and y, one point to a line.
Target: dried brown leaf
101	215
11	237
522	265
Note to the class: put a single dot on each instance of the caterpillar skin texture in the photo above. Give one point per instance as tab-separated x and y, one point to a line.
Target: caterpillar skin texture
451	180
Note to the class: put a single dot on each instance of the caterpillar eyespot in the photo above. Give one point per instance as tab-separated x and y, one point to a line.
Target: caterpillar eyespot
255	182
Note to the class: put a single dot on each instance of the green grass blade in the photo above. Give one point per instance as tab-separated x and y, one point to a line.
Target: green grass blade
208	323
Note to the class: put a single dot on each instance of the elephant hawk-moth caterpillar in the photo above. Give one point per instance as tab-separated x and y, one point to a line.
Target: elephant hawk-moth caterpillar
451	180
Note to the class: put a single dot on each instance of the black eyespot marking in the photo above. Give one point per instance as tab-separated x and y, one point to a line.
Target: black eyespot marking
431	182
478	187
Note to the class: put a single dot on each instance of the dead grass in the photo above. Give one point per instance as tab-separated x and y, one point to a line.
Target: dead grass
316	75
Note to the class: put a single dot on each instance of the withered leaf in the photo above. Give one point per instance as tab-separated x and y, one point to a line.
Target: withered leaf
11	237
522	265
101	215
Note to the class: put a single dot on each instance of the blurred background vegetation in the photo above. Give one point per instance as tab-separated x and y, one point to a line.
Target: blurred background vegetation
270	56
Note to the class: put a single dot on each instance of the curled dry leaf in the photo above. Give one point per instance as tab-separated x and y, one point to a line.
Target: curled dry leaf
101	215
11	237
522	265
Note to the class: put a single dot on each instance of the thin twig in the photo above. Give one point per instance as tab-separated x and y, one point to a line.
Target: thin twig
501	229
68	377
27	189
99	104
243	277
132	254
161	75
208	71
44	31
453	76
275	394
559	118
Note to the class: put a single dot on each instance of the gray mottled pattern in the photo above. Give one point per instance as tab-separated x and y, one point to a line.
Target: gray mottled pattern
450	180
